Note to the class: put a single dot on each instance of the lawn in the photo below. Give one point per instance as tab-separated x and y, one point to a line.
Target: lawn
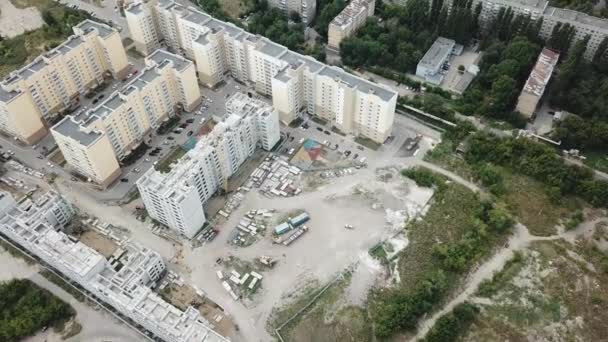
40	4
236	8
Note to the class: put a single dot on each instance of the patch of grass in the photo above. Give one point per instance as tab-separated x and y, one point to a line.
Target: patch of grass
491	286
528	200
165	165
597	160
445	156
319	120
447	220
379	253
65	286
328	319
372	145
15	252
17	51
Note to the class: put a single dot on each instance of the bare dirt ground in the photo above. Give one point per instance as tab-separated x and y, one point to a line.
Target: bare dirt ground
15	21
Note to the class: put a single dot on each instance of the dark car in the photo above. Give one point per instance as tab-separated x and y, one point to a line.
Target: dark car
100	96
319	129
95	101
184	125
326	132
190	121
291	139
190	133
124	180
356	156
347	153
170	138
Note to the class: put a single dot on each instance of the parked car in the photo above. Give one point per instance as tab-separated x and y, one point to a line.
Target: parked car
326	132
170	138
124	180
319	129
190	133
190	121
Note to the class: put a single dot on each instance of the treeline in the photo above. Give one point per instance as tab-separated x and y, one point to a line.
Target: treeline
539	162
400	309
272	23
327	10
399	36
25	308
581	87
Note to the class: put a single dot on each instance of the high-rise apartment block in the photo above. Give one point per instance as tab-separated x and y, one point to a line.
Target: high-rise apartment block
123	281
584	24
346	24
145	34
295	82
54	80
176	198
92	142
305	8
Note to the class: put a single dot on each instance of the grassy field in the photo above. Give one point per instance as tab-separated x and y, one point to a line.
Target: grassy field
329	319
164	166
529	202
556	292
447	220
526	198
40	4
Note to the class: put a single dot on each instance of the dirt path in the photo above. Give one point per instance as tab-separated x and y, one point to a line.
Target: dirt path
520	240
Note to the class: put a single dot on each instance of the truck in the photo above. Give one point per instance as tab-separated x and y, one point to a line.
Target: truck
296	235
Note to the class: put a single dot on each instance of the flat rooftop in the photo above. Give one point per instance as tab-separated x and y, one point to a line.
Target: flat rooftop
354	8
67	127
437	53
542	72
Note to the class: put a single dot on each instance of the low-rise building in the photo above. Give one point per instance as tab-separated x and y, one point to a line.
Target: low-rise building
433	65
534	88
124	282
93	142
296	83
53	81
346	24
176	198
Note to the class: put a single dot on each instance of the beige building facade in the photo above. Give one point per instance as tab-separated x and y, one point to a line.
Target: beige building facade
297	84
145	34
346	24
55	80
128	117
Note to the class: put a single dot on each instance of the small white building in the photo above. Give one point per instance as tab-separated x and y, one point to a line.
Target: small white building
431	66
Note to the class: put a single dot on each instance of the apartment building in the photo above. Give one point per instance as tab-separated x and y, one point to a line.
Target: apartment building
295	82
596	28
54	80
93	142
145	35
346	24
305	8
538	80
124	281
176	198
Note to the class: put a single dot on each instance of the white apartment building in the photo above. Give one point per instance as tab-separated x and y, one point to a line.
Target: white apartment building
295	82
538	80
54	80
92	142
585	24
123	282
176	198
346	24
141	18
305	8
